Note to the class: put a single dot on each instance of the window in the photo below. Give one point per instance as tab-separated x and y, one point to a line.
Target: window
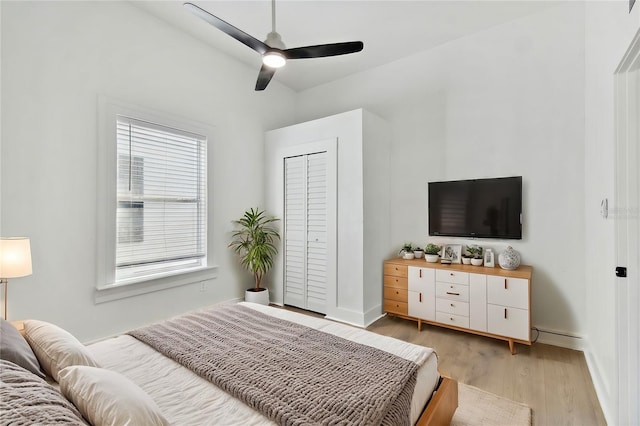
152	201
161	199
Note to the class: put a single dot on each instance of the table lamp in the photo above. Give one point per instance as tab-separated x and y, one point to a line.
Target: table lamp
15	261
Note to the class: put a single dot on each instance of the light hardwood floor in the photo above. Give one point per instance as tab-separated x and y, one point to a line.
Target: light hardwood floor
553	381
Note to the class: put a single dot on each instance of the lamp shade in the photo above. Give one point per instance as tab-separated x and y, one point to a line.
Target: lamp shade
15	257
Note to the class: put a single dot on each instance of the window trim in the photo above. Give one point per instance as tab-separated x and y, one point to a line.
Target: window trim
106	288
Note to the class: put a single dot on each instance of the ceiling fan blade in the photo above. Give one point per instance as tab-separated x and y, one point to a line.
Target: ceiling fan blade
323	50
264	77
227	28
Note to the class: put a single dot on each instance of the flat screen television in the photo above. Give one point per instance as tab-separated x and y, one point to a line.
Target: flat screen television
476	208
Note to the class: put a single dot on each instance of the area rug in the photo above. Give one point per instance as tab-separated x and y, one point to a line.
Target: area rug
477	407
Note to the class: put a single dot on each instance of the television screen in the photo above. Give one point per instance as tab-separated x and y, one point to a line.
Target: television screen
478	208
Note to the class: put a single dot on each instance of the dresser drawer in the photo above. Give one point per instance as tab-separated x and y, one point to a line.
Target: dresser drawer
513	292
509	322
457	292
395	307
398	282
394	293
449	276
395	270
452	319
452	307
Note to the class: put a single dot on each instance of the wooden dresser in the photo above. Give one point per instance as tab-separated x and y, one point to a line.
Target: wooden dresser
490	302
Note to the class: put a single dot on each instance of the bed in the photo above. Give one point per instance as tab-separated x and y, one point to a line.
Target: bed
177	395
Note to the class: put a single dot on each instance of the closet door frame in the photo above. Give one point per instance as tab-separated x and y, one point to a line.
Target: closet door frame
330	146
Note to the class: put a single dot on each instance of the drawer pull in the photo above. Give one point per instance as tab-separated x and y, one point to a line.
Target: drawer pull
420	273
451	273
505	313
453	294
451	304
420	297
505	284
397	292
451	318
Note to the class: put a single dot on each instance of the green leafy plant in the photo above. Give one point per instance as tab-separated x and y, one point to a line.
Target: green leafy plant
255	242
432	249
475	251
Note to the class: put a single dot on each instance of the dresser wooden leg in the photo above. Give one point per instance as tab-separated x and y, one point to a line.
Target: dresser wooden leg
419	325
512	347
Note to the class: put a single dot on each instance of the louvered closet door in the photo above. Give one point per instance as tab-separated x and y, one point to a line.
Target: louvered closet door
305	235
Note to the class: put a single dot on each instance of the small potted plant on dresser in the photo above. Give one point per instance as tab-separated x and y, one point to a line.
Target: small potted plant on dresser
476	252
254	241
406	252
466	258
418	252
431	253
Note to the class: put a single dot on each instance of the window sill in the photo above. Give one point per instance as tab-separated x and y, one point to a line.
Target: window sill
136	287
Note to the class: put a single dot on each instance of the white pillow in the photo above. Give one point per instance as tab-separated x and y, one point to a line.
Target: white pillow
107	398
55	348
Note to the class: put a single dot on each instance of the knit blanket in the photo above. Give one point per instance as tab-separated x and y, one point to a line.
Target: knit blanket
292	374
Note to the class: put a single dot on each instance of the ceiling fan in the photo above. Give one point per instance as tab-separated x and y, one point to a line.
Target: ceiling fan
273	51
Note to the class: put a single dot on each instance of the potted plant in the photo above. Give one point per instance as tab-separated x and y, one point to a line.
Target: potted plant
466	258
418	252
431	252
254	241
476	252
406	251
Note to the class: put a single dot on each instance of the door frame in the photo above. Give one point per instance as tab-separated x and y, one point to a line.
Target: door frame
627	190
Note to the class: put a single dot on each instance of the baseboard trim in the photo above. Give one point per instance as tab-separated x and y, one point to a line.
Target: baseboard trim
603	392
563	339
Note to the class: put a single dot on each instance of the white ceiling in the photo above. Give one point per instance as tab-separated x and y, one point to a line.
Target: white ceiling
390	29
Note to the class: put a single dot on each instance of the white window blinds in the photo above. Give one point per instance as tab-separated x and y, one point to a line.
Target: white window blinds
161	199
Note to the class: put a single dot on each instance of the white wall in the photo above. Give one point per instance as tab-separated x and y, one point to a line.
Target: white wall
57	57
505	101
609	31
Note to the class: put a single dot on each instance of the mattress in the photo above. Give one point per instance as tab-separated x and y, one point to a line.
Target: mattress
186	398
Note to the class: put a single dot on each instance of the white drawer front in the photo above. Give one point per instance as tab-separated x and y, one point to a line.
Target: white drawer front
509	322
448	276
452	319
457	292
513	292
422	305
421	278
452	307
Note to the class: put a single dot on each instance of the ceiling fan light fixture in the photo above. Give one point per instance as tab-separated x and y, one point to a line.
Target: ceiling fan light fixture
274	59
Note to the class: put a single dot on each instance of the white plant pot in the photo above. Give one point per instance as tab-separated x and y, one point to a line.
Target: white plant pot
418	254
466	261
408	256
260	297
476	262
431	258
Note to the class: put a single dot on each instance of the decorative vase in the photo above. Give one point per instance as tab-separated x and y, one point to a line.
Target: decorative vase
509	259
261	296
431	258
476	261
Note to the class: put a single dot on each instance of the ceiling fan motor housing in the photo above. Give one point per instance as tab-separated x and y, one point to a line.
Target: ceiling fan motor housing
274	40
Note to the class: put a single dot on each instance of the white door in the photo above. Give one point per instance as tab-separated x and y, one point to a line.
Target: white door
305	231
628	233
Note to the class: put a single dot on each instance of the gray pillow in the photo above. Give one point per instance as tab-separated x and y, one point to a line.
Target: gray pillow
14	348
